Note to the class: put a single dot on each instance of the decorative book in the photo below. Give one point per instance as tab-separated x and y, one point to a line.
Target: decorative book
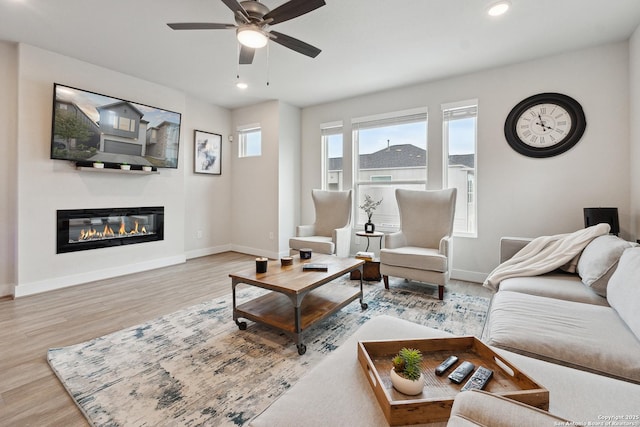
315	267
368	256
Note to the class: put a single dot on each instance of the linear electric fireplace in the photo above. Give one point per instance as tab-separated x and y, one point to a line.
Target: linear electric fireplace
84	229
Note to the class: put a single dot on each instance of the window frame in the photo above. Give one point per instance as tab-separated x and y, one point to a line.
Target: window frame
467	109
327	130
378	121
243	133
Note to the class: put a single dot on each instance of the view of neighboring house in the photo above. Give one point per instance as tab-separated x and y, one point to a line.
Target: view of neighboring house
406	162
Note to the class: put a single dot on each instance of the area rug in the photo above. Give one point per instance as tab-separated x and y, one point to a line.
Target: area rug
195	367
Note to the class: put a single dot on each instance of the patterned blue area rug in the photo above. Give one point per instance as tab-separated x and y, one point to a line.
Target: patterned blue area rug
195	367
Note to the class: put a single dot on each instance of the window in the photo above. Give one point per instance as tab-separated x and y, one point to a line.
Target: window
332	155
250	141
391	152
459	132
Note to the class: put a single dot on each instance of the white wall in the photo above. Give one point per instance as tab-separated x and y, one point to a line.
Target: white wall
517	195
45	185
207	197
288	175
634	113
265	188
255	182
8	160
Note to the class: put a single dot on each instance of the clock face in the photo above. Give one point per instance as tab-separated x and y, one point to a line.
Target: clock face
545	125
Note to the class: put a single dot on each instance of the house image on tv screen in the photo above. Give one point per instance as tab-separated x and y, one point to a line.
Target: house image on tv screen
93	127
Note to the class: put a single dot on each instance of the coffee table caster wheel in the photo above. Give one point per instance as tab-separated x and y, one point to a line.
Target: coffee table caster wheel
302	349
242	325
364	305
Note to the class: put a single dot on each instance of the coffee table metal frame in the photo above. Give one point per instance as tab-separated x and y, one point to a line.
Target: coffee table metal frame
292	283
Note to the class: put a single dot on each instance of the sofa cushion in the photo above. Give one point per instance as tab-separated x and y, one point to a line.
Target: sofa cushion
585	336
414	257
598	261
554	285
480	408
624	289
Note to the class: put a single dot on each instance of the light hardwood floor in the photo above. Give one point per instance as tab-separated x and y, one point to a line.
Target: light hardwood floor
30	393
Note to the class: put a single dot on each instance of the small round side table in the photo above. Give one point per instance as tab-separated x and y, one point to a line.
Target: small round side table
369	235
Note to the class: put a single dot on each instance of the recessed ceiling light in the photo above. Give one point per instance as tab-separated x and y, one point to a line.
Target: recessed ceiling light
242	85
499	8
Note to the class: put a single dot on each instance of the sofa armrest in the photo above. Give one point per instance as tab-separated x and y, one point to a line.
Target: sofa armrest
509	246
305	230
395	240
445	246
342	239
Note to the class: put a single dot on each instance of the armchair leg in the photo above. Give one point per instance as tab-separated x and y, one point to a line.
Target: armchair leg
441	292
386	281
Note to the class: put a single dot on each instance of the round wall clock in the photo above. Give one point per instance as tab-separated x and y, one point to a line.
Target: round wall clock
545	125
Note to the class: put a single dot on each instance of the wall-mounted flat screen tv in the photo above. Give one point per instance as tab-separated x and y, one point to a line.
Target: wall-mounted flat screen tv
88	127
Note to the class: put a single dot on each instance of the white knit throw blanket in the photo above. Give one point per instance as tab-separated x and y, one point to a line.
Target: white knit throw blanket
544	254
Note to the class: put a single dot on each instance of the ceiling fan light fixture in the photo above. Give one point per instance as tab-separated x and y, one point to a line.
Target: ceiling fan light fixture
252	36
499	8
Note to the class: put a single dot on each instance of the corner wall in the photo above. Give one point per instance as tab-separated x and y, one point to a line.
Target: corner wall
517	195
8	160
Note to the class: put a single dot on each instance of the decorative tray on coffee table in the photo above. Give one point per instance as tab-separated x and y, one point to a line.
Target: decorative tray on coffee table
434	403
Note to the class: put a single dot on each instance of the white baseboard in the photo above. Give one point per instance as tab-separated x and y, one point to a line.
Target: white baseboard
25	289
254	251
468	276
197	253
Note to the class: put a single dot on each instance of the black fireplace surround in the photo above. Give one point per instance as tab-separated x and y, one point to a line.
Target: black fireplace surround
84	229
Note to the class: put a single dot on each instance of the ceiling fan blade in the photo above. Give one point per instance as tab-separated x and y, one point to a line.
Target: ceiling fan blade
295	44
237	9
292	9
246	55
199	26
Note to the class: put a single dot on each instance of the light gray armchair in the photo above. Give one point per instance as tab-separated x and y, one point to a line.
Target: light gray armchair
421	250
331	231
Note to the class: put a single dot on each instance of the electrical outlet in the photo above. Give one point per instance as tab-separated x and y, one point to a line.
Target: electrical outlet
271	235
199	234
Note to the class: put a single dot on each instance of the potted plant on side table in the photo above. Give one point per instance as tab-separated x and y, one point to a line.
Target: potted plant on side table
368	207
406	374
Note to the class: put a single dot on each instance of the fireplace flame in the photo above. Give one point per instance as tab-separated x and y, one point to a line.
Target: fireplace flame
107	231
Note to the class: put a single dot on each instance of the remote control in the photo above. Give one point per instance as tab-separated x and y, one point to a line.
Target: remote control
478	380
462	372
444	366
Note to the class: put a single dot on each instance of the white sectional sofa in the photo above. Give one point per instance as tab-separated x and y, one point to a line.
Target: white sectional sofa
604	392
588	320
336	392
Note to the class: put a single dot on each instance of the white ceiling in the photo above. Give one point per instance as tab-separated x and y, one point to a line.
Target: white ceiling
367	45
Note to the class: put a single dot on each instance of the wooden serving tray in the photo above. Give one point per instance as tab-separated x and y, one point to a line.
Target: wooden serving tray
434	404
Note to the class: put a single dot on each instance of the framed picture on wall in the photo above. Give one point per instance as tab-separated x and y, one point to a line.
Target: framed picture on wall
208	153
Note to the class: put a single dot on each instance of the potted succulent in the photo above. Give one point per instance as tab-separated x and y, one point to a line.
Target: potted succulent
406	374
98	164
125	166
368	207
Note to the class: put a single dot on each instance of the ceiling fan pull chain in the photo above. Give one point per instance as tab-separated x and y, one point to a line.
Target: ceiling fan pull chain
268	64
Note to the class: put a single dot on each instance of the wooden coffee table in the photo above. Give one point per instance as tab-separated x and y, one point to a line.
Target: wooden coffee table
299	299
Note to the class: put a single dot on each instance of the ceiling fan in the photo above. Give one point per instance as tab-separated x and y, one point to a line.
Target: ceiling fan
253	20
